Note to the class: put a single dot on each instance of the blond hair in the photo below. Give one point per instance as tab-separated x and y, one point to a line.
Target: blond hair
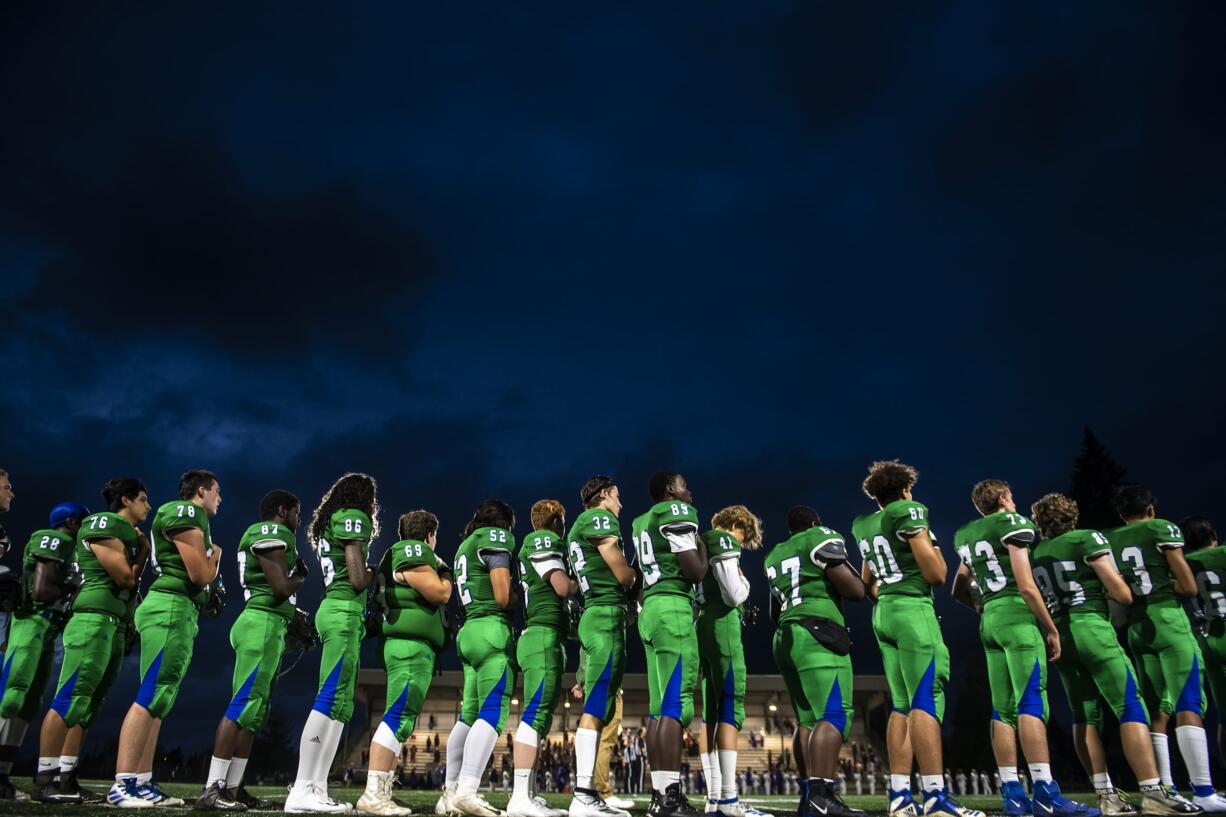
738	516
1054	514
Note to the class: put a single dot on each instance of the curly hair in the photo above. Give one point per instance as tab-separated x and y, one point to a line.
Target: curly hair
735	516
887	479
546	513
491	513
353	490
1054	514
417	525
987	495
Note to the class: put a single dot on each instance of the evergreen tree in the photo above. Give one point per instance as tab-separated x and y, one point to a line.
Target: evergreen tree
1095	477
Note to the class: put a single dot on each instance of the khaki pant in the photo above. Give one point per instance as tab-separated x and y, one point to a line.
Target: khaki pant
604	753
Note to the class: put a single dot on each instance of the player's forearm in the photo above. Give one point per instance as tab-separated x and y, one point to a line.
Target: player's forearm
355	566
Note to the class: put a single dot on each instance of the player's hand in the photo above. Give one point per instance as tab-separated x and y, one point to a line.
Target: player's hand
576	692
1052	640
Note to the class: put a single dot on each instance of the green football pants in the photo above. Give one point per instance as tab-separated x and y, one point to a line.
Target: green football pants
1168	659
341	627
1017	660
487	654
258	639
27	666
722	667
410	667
93	654
1094	668
541	654
913	652
167	623
818	681
602	635
1213	648
670	639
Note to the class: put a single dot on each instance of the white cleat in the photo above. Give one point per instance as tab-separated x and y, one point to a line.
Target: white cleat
589	805
126	794
1211	802
474	805
550	811
527	807
307	798
380	802
443	807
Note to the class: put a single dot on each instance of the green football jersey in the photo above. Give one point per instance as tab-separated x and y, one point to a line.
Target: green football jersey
1140	554
406	614
1064	575
721	546
1209	565
472	570
49	546
267	538
540	554
596	580
882	538
669	528
99	593
798	582
983	546
346	525
164	555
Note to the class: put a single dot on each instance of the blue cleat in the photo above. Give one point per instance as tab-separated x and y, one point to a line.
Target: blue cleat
902	804
938	803
1049	802
1014	802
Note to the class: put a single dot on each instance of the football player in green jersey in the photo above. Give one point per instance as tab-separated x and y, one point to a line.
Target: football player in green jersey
594	549
342	528
484	584
48	587
809	578
1019	638
110	554
722	656
413	584
672	559
270	573
1149	552
902	563
6	502
1076	573
1208	563
540	652
186	562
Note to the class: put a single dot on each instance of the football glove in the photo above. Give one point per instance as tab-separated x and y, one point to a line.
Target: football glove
574	612
373	617
830	553
12	590
216	601
72	582
300	633
445	572
749	613
131	638
300	570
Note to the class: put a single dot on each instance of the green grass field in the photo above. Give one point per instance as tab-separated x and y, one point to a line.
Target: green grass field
422	802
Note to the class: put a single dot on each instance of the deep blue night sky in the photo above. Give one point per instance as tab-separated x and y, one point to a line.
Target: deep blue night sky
493	250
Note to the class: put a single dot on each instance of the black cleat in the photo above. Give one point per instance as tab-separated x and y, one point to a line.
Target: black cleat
674	804
69	786
47	790
824	801
241	795
217	798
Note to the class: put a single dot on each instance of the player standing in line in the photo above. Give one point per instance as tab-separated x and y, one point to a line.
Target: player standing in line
487	653
594	549
1019	638
34	626
110	554
1149	552
186	562
672	560
902	564
271	573
809	578
1208	563
541	648
1076	573
413	584
722	655
342	528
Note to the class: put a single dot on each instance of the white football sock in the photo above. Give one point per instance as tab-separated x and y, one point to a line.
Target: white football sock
143	778
521	783
1008	774
1162	754
660	781
46	764
311	746
1148	783
1040	772
373	781
932	782
68	763
332	740
727	773
710	771
900	782
586	741
238	767
218	769
478	747
1102	782
1195	750
455	751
